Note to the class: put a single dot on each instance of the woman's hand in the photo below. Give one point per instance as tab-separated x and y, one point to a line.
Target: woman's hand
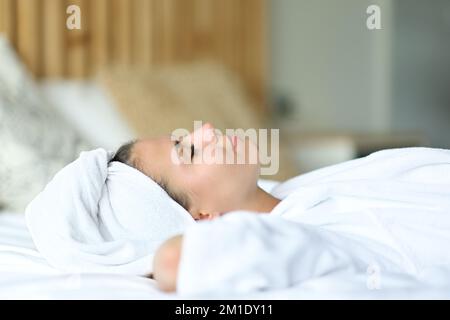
166	262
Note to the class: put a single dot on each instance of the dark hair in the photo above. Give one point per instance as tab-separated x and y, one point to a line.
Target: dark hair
125	155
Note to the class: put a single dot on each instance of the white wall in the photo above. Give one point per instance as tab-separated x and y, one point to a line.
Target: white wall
421	69
334	69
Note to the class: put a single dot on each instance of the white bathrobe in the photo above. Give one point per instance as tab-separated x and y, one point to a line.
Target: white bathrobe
382	215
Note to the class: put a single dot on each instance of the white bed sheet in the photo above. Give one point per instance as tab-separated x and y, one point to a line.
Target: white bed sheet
24	274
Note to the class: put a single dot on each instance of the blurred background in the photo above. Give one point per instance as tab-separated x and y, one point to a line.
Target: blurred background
311	68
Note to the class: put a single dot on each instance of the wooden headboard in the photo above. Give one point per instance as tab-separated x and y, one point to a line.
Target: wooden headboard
142	33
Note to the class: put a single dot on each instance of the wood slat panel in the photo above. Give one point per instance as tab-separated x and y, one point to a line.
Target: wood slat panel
203	24
157	31
142	33
28	33
8	19
77	43
121	26
100	34
2	16
254	71
168	30
54	47
184	30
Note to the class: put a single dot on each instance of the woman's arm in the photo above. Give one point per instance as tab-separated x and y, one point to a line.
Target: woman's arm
247	252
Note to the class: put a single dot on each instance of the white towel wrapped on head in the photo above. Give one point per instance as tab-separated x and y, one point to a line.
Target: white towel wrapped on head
101	216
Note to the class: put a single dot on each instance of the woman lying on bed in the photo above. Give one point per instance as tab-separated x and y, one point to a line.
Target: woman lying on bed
386	207
205	190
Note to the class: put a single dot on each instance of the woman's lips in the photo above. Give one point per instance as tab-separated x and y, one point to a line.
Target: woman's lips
233	141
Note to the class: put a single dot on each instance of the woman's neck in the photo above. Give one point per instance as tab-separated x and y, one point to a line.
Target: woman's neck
261	201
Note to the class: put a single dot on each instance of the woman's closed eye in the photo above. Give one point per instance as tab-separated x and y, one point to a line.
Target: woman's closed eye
192	151
178	145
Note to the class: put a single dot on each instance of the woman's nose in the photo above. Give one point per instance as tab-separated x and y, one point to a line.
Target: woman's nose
207	126
204	135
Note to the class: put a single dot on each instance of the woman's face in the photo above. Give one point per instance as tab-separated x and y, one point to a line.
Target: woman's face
216	172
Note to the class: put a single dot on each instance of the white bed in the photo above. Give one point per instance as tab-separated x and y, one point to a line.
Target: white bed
24	274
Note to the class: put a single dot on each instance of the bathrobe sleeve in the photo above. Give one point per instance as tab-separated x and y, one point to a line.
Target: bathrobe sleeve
245	252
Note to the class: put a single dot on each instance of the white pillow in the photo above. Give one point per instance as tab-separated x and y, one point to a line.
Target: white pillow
36	142
89	109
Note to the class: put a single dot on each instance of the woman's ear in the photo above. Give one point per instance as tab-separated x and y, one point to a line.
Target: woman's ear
206	215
